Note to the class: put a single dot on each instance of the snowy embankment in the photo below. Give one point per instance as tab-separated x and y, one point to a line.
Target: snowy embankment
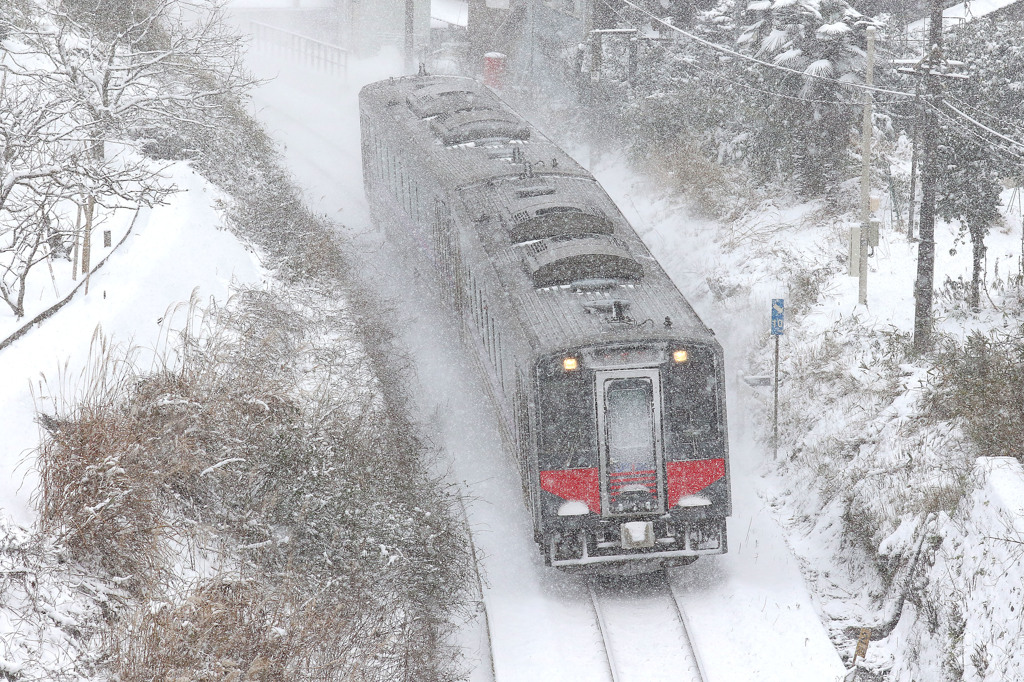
871	481
975	582
175	249
53	609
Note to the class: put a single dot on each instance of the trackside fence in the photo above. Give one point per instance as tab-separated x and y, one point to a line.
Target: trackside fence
316	54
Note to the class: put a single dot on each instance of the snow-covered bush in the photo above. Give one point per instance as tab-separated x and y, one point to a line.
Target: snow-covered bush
53	610
100	488
979	385
262	446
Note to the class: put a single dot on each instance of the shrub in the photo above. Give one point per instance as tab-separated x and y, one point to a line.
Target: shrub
979	383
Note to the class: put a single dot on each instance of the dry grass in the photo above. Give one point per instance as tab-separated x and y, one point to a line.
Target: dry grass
97	491
979	384
265	444
271	440
231	629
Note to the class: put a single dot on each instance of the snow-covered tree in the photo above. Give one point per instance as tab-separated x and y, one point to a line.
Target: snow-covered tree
806	117
968	191
37	158
142	66
87	86
975	156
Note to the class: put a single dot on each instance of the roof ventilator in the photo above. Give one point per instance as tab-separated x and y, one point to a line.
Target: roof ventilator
615	308
534	191
474	125
555	218
562	261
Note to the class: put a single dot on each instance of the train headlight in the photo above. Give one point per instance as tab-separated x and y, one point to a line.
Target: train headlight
570	364
680	356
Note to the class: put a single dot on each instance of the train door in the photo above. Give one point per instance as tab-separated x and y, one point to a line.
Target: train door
629	433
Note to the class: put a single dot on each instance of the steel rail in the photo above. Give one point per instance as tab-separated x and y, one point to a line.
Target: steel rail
684	623
481	604
603	627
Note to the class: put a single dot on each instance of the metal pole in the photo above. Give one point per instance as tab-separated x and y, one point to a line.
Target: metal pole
78	230
865	179
775	417
90	206
410	13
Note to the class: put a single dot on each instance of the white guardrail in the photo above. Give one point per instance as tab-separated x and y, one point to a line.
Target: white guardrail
317	54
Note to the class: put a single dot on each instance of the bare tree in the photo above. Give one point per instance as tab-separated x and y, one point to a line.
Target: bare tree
36	172
85	85
27	239
142	67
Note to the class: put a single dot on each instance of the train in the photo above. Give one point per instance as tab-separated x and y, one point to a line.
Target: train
609	389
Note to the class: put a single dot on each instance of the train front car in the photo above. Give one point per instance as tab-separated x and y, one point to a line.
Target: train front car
632	454
608	387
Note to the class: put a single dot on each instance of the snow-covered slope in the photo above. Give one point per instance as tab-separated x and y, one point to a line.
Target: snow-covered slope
174	249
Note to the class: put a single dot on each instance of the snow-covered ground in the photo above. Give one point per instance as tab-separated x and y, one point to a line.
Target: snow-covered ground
174	249
541	621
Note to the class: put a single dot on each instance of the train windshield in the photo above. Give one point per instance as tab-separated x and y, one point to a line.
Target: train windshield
568	422
629	419
691	404
629	412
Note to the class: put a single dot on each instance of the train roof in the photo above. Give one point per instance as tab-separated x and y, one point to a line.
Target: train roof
569	263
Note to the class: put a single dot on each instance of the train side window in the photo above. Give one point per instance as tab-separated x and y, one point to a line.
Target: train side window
378	165
568	422
522	419
491	340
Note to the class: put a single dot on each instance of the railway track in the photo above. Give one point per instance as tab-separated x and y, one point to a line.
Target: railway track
644	630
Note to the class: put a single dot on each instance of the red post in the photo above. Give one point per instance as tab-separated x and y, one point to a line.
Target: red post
494	70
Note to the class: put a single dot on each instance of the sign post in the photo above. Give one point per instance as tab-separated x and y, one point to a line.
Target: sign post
862	644
778	326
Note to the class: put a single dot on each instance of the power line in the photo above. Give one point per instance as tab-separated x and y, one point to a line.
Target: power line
1013	144
975	132
1006	124
748	86
778	67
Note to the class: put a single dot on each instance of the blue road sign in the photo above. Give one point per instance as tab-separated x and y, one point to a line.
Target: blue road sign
778	317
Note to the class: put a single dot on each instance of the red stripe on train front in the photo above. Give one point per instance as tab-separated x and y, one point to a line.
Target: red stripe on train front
690	476
684	478
574	484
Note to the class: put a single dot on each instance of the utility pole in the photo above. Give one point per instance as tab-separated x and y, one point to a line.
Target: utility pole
410	28
865	180
90	207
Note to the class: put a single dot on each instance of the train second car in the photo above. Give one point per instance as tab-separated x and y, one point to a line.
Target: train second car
609	387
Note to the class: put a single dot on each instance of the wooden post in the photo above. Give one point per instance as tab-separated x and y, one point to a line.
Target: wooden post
90	204
78	229
925	282
410	28
913	161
